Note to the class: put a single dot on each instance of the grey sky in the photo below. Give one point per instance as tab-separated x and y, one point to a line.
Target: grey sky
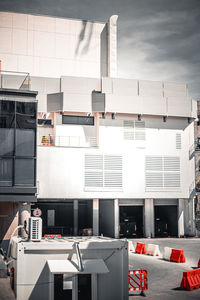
157	39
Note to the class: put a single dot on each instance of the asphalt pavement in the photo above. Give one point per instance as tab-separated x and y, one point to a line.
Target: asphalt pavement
164	277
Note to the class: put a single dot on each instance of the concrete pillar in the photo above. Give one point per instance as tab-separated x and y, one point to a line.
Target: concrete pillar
192	230
116	218
181	206
75	217
24	215
96	217
149	218
112	46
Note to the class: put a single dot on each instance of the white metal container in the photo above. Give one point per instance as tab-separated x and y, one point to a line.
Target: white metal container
40	267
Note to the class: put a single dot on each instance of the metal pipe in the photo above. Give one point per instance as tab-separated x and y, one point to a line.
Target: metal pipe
80	264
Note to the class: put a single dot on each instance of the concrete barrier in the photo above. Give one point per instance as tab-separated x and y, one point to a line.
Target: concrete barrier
167	253
131	248
153	250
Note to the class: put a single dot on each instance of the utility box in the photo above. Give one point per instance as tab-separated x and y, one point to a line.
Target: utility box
49	269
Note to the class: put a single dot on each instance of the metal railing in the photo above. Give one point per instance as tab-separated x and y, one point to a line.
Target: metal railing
75	141
14	80
67	141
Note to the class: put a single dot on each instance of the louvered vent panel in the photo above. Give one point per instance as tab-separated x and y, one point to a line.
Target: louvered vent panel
178	141
153	163
103	172
154	179
162	173
172	180
94	162
113	162
129	130
134	130
113	180
93	179
171	163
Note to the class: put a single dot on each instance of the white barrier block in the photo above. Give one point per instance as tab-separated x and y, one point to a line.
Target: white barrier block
167	253
153	249
131	248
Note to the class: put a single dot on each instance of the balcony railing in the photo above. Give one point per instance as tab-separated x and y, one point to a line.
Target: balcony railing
68	141
14	80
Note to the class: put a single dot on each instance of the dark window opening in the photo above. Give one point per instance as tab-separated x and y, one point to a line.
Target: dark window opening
24	172
6	172
78	120
45	122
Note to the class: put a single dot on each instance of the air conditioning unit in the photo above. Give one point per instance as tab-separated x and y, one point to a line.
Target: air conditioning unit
35	229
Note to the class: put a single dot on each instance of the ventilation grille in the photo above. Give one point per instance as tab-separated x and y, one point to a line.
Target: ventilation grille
178	141
35	228
103	172
162	172
134	130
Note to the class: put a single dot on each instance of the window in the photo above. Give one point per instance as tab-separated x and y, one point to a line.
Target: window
103	172
44	122
17	139
25	142
78	120
6	172
24	172
162	173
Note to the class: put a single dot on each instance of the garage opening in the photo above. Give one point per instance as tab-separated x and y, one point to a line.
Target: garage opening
131	221
166	221
57	218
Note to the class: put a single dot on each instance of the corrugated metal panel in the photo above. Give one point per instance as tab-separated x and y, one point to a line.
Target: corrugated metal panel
178	141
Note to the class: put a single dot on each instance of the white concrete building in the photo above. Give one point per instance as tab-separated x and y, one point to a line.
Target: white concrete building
113	154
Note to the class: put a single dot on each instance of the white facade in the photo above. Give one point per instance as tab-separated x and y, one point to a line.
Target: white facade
138	150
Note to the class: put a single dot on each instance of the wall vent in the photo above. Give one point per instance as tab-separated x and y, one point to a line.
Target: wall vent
103	172
134	130
162	173
178	141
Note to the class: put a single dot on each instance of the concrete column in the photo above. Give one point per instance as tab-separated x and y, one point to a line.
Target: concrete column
112	46
24	215
192	230
75	217
181	206
96	217
149	218
116	218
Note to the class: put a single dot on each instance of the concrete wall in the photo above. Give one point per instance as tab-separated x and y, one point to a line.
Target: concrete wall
61	171
51	47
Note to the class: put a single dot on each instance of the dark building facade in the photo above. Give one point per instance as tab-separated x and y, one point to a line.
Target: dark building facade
18	132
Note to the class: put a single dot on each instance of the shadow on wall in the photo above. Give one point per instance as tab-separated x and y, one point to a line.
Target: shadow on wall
84	38
8	222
